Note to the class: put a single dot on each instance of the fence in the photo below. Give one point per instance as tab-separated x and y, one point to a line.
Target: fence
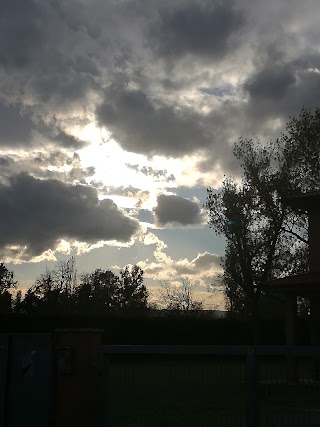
70	379
210	385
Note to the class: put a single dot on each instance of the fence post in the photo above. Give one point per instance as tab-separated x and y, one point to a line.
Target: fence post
251	389
77	382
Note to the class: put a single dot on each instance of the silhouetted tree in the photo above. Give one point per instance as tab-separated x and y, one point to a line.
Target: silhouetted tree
103	291
53	290
266	238
97	293
179	297
132	294
6	278
57	291
31	303
6	282
5	302
17	302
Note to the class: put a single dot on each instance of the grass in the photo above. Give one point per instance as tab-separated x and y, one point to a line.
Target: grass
208	392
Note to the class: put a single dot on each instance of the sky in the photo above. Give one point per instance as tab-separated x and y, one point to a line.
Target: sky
117	115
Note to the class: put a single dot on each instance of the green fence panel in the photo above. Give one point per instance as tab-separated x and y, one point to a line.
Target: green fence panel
167	391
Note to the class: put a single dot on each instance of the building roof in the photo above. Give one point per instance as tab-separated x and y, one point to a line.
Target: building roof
300	284
303	200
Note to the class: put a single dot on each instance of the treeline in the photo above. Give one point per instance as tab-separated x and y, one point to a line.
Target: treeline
156	327
61	292
118	304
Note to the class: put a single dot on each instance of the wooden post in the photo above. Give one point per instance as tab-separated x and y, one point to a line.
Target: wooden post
77	381
290	329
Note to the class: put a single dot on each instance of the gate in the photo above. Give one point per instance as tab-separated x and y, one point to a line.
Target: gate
26	380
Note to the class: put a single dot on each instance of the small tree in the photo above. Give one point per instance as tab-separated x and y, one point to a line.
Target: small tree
179	297
132	294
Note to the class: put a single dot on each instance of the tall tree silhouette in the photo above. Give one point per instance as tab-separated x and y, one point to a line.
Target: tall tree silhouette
265	237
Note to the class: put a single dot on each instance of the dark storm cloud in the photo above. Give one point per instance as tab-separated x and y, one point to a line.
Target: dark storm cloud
142	126
5	161
271	82
173	209
41	55
203	29
36	214
284	87
21	32
15	126
62	83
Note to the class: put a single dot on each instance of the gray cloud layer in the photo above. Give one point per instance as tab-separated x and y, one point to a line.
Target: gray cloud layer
281	86
15	127
173	209
36	214
143	127
202	29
